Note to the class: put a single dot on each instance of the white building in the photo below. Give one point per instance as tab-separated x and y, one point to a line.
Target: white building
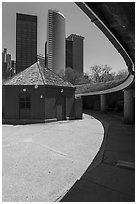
56	41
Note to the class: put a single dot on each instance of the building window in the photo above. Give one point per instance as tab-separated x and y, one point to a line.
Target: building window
24	102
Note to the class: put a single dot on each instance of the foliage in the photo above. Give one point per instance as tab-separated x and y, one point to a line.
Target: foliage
98	74
97	86
74	77
102	78
122	74
101	73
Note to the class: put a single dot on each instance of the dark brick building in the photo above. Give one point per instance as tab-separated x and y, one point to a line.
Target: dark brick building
37	93
26	41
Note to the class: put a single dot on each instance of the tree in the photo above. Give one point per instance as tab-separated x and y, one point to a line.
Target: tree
84	79
70	75
122	74
74	77
106	74
95	72
101	73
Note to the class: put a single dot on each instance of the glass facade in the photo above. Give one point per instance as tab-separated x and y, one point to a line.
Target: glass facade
26	41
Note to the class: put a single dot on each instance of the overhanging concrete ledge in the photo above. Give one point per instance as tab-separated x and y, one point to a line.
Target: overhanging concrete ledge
128	81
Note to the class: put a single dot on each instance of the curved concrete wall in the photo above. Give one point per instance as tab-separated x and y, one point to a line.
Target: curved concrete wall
125	84
112	38
56	41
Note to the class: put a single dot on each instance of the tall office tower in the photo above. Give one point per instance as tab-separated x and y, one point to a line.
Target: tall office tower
56	41
46	56
26	41
6	64
13	67
74	52
4	55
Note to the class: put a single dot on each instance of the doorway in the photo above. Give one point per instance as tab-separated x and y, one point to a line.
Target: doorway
61	108
24	106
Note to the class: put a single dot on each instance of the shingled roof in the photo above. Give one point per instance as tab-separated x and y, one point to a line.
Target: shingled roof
37	74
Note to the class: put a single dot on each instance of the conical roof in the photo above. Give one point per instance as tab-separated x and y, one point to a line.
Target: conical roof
37	74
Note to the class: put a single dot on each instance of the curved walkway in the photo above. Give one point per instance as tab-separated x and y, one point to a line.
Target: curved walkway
111	175
41	162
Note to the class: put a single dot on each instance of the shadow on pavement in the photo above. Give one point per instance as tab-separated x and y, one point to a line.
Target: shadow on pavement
104	180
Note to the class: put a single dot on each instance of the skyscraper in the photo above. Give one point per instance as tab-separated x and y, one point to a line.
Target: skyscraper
6	64
26	41
56	41
74	52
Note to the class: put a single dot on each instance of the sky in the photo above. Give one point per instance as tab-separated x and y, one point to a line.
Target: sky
97	48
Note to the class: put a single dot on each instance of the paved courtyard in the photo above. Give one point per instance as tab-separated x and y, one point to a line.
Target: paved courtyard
42	161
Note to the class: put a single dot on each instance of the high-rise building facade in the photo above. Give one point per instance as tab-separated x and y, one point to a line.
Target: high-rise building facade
69	53
13	67
74	52
6	64
56	41
46	55
26	41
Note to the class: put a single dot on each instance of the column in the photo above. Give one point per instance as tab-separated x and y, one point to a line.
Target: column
78	107
103	103
129	106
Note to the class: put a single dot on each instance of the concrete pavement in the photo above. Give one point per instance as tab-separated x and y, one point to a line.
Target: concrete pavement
41	162
104	180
